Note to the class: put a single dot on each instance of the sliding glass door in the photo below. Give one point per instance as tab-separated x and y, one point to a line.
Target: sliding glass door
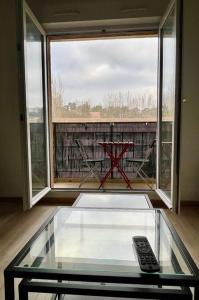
168	133
36	110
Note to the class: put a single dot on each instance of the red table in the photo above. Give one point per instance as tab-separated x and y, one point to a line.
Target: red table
115	157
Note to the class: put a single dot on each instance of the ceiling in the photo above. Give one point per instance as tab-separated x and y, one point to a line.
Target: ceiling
52	12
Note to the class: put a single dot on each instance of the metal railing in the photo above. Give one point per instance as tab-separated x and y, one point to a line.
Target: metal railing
67	162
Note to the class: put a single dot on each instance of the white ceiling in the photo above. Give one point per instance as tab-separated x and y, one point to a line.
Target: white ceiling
52	12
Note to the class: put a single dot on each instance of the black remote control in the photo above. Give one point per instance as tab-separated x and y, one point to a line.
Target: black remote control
146	257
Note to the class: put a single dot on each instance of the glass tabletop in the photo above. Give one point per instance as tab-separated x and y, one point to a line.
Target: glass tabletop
87	239
112	200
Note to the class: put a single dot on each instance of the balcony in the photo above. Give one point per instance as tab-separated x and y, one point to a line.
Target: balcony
68	168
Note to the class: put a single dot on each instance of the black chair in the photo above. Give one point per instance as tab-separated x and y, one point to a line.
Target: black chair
139	163
91	163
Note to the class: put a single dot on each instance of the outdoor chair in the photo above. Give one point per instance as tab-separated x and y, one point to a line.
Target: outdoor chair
91	163
138	164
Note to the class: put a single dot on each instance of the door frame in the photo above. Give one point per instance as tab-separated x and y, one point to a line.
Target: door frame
28	200
174	202
79	36
176	131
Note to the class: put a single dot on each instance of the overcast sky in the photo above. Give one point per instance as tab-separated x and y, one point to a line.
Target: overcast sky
90	70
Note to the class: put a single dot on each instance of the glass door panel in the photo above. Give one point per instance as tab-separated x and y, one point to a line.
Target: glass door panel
36	108
168	105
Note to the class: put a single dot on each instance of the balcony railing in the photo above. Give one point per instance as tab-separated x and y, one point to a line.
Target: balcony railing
67	161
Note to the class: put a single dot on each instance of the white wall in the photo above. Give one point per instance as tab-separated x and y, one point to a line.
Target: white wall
189	171
52	11
10	157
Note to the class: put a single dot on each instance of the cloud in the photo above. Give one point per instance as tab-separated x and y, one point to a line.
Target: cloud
92	69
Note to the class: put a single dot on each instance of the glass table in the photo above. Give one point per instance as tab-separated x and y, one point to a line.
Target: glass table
89	251
113	200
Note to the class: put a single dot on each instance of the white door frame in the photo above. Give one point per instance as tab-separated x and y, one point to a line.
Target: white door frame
28	200
174	201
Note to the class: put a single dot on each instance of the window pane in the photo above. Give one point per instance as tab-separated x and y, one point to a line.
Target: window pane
168	102
35	106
